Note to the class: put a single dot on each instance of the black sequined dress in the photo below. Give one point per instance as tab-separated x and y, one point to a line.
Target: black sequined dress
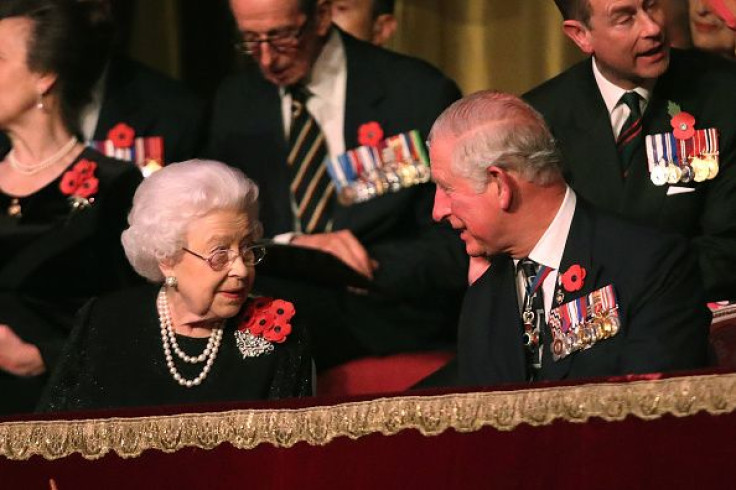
115	358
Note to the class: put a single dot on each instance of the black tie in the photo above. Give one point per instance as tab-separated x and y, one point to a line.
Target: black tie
532	315
630	138
311	185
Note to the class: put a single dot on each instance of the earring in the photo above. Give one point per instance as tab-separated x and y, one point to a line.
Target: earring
39	104
171	282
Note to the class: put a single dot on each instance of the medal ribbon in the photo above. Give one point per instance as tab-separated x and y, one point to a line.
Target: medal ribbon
532	289
666	150
671	142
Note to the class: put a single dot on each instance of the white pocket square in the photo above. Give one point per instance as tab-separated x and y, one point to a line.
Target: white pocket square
674	189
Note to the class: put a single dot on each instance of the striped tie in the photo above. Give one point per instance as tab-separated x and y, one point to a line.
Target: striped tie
630	138
311	185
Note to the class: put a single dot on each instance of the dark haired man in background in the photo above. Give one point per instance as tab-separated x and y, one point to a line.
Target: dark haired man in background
369	20
633	86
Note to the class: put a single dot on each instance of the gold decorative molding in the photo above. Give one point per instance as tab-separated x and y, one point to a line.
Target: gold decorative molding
318	425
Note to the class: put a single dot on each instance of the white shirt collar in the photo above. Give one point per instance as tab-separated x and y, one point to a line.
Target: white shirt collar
328	85
90	114
549	249
323	79
612	93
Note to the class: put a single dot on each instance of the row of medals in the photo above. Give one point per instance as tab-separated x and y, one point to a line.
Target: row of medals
583	335
700	169
391	178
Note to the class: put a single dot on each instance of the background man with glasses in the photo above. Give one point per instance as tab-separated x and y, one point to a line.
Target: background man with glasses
301	61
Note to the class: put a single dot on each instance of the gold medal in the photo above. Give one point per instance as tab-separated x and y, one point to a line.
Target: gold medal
712	160
673	173
701	169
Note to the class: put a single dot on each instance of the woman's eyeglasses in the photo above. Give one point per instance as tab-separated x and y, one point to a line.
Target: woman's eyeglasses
220	259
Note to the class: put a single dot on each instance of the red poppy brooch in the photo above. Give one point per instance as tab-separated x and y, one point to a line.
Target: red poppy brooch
572	279
80	184
683	123
121	135
264	322
370	134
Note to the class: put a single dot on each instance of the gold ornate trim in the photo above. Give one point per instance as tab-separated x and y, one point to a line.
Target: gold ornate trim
430	415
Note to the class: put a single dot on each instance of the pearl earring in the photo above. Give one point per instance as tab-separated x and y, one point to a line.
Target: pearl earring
39	104
171	282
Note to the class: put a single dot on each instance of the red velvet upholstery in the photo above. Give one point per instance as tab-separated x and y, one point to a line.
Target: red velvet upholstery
723	334
380	374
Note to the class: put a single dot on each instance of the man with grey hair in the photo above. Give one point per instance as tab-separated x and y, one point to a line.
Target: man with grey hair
567	292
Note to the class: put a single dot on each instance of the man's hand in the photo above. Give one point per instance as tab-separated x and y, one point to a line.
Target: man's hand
18	357
478	266
343	245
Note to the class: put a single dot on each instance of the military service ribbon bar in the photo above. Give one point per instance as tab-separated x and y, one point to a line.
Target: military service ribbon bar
366	172
581	323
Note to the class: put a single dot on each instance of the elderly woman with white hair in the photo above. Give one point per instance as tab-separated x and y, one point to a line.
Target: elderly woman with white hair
195	335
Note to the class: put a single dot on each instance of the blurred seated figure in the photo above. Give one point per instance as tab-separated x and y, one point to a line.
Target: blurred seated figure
677	23
62	207
136	113
194	335
369	20
310	96
128	94
569	291
709	32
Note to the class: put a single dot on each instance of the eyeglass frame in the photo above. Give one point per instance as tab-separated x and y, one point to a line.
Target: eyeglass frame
232	255
291	34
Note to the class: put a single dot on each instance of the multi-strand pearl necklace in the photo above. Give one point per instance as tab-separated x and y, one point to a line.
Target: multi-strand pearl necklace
168	337
37	167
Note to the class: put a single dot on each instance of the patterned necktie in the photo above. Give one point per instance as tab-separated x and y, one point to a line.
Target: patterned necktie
532	316
630	138
311	185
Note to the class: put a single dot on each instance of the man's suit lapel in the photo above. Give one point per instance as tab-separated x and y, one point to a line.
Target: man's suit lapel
120	103
577	251
640	197
363	94
490	330
590	151
265	161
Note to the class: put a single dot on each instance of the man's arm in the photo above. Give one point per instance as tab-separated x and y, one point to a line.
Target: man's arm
668	321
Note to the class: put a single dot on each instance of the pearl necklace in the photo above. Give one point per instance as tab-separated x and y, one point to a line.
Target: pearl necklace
168	337
37	167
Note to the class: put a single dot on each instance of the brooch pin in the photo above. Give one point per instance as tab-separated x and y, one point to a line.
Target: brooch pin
80	184
264	323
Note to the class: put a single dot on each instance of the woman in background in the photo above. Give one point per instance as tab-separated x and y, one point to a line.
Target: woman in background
194	335
62	207
709	32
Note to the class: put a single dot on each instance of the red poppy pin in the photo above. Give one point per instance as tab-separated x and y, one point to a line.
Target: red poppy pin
370	134
264	322
572	279
121	135
683	123
80	184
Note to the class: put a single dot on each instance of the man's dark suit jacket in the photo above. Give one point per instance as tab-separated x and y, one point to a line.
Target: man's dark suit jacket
422	266
153	105
664	320
703	86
